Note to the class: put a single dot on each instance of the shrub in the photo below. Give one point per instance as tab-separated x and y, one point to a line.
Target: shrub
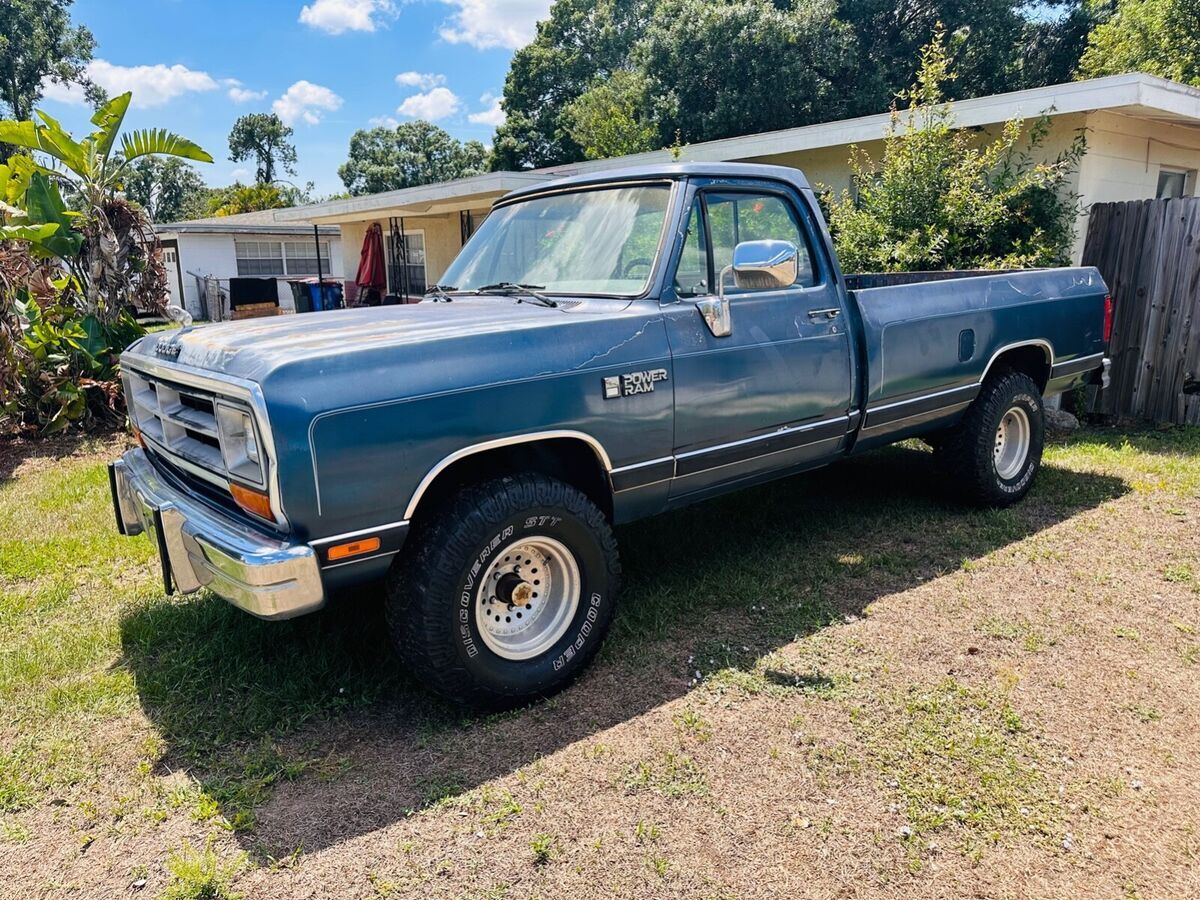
69	277
57	365
941	198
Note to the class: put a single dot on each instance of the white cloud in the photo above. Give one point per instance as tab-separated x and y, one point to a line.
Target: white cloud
494	23
151	85
493	115
432	105
306	102
383	121
240	94
63	93
338	16
241	174
423	80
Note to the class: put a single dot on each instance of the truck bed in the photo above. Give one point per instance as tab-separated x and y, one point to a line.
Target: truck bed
860	281
930	337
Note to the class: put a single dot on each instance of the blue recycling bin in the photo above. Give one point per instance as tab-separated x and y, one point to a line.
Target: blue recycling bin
327	295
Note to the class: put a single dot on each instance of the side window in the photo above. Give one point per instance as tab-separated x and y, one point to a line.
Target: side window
691	276
737	217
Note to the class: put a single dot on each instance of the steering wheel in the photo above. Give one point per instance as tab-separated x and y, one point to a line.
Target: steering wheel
634	263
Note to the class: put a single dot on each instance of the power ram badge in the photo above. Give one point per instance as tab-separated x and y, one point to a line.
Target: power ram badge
632	383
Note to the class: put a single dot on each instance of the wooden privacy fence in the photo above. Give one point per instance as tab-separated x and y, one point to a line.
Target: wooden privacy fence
1149	254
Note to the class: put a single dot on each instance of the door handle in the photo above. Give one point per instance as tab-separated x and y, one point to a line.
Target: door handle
831	313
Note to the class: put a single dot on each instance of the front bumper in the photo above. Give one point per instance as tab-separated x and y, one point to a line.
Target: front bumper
202	547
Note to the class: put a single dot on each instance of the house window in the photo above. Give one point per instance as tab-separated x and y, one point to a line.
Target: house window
259	258
301	257
410	277
265	258
1174	183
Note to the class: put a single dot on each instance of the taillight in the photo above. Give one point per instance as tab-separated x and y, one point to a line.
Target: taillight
1108	317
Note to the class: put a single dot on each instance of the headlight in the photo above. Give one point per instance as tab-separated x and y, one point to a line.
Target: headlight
239	443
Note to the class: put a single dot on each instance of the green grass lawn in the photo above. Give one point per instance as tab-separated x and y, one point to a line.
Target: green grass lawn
104	681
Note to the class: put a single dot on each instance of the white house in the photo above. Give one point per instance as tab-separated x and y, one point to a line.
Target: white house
247	245
1143	137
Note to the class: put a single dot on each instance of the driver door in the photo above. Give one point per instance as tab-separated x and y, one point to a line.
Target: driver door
773	394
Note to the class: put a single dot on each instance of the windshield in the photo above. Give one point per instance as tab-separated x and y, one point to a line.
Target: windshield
590	242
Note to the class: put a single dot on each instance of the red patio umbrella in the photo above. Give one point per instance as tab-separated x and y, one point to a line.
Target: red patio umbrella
372	274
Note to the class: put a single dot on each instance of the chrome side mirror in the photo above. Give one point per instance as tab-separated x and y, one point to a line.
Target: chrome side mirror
715	312
764	265
761	265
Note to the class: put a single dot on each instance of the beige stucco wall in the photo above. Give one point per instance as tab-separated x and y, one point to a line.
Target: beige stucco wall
443	240
1125	156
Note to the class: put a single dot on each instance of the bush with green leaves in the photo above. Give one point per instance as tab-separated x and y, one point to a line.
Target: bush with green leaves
942	197
71	272
70	372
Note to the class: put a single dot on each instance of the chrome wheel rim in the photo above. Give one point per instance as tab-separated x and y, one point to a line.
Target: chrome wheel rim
527	597
1012	443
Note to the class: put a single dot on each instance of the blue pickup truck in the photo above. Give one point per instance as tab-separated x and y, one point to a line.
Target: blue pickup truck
604	348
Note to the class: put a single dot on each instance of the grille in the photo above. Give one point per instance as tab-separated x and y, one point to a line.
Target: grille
180	421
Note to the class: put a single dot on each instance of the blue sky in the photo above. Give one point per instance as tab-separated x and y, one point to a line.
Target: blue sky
328	67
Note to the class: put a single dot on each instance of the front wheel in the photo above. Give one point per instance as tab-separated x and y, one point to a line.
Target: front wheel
506	595
996	450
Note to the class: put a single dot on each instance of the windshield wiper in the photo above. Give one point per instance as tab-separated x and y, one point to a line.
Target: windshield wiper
510	287
439	292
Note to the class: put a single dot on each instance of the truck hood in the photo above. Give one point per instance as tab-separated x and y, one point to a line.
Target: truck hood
255	348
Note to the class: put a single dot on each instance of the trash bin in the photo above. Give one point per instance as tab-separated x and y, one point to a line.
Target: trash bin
301	297
327	295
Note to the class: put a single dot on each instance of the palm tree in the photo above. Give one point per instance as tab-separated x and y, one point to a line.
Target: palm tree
109	243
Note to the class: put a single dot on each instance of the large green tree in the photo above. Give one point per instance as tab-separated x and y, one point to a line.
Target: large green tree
579	45
169	189
602	74
412	153
1054	42
38	43
263	138
1160	37
714	70
607	120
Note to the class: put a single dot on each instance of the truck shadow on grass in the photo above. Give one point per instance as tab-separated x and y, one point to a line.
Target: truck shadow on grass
308	733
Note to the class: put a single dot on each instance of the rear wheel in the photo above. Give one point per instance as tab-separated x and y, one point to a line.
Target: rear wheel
507	594
994	453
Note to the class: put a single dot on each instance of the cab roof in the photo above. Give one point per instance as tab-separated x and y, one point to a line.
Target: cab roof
672	171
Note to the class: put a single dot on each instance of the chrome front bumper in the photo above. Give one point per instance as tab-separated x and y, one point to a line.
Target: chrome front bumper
202	547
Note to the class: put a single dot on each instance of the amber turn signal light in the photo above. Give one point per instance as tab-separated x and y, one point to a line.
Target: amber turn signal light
354	548
252	501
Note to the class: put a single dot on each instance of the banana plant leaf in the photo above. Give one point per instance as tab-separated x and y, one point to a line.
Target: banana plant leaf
19	134
35	234
44	204
108	119
56	141
96	341
159	140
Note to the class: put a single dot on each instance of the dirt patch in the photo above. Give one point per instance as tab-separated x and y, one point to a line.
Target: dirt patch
873	695
24	456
